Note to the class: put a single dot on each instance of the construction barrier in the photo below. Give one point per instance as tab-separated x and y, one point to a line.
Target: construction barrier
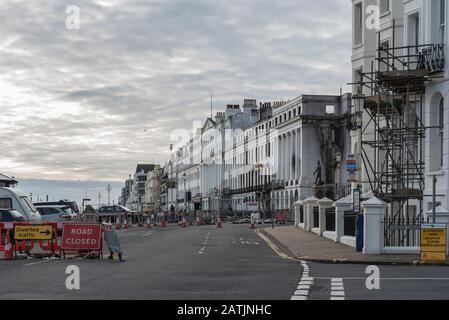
13	240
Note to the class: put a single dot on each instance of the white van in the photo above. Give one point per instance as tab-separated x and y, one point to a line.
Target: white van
12	198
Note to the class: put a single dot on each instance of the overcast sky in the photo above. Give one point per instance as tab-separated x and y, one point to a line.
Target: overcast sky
75	103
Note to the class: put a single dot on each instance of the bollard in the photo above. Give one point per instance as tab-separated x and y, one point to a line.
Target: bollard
9	251
253	225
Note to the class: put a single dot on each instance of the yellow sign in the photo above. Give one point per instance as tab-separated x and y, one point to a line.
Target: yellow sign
30	232
433	242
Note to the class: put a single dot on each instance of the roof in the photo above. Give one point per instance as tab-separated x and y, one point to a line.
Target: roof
5	178
145	168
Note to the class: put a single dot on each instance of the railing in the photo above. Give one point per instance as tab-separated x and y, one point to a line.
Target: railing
412	58
301	214
330	219
316	217
349	224
401	233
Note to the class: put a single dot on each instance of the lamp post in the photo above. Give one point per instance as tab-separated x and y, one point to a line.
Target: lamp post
109	188
359	104
271	187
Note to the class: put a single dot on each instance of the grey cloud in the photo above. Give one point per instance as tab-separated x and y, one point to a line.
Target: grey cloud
86	96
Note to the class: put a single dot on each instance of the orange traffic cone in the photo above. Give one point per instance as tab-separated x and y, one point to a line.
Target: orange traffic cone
125	224
9	251
219	225
184	224
198	222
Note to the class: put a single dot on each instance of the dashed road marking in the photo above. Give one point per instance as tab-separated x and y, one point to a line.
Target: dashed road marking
147	234
303	290
337	289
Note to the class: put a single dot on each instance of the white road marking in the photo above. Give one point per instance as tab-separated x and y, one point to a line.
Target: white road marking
299	298
147	234
34	263
390	279
337	289
303	290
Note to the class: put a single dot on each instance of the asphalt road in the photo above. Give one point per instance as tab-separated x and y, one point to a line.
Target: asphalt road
195	263
206	263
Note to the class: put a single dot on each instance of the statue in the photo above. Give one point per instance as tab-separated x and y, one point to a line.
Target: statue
318	174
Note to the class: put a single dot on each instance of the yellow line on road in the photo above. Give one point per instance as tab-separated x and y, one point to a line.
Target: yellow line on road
275	248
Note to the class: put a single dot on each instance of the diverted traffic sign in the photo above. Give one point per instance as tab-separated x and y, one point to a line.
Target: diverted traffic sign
33	232
433	242
81	237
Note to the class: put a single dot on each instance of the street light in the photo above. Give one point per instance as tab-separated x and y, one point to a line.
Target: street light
185	190
273	203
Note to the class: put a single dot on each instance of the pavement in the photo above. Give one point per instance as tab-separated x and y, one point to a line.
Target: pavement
303	245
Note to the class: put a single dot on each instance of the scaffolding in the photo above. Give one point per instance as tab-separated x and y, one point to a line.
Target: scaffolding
394	133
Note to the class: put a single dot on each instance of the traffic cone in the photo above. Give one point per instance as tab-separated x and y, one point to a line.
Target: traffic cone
198	222
184	224
125	224
219	225
148	224
9	252
118	224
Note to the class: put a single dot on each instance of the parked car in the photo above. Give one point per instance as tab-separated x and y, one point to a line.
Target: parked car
11	215
113	210
72	204
13	198
56	214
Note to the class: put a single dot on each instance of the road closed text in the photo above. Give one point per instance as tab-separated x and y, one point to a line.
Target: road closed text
81	236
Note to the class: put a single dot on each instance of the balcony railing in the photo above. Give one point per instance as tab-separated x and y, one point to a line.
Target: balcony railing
430	58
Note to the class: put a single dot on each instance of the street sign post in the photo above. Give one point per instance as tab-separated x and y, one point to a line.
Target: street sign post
433	242
351	168
81	237
33	232
356	200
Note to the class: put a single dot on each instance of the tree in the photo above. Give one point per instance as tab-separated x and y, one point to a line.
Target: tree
89	209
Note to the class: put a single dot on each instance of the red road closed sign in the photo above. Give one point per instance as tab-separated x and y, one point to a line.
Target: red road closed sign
81	237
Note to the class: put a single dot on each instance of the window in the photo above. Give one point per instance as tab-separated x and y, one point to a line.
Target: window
358	24
384	6
6	217
414	30
6	203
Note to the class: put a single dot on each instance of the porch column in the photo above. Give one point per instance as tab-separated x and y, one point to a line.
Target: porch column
310	202
342	205
297	205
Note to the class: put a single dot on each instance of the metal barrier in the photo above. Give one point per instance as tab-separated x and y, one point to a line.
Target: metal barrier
7	231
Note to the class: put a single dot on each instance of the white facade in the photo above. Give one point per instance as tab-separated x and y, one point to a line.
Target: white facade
414	22
231	161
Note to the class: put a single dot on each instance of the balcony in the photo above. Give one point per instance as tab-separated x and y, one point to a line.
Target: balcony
408	68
